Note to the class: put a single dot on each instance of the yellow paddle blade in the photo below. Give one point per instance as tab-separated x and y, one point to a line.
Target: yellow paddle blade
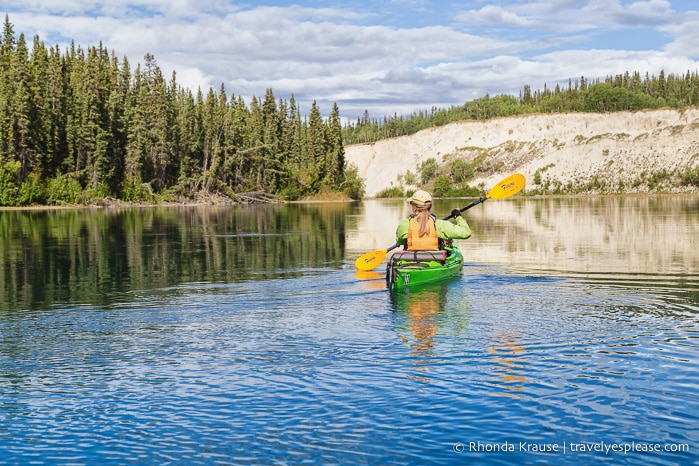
508	187
370	260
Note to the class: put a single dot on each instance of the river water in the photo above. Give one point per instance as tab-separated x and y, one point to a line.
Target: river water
244	335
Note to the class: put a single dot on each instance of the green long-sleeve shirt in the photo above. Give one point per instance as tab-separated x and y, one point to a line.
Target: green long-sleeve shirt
445	229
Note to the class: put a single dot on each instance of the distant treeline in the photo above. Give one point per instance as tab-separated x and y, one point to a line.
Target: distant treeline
83	127
616	93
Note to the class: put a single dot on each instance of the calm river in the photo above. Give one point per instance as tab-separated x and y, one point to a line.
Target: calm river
243	335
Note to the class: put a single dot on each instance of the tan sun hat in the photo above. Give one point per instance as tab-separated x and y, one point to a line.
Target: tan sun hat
420	197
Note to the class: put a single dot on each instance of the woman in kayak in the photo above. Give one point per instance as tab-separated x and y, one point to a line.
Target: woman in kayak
422	231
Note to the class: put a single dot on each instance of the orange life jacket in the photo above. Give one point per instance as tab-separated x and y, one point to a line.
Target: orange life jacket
427	242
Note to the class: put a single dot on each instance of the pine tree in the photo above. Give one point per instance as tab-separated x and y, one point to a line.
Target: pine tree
187	141
238	115
113	166
136	137
269	171
317	148
7	91
40	125
56	102
253	151
22	109
335	150
159	122
213	141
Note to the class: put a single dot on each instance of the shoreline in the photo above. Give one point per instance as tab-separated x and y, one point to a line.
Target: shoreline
522	195
587	154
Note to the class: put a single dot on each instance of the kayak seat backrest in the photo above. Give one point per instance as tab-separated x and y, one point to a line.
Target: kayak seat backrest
420	256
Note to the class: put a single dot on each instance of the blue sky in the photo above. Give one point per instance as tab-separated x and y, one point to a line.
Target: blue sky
385	57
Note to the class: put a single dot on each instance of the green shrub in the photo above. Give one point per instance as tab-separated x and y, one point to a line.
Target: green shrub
99	193
8	183
460	170
64	190
409	177
656	178
31	191
354	186
691	177
390	192
442	186
134	190
428	168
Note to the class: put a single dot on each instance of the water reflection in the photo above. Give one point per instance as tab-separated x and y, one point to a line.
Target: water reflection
507	356
95	255
92	255
424	316
427	316
608	235
371	280
421	308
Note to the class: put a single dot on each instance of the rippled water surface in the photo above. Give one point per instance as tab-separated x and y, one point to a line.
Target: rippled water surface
245	336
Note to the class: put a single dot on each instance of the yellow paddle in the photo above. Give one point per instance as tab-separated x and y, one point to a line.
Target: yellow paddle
504	189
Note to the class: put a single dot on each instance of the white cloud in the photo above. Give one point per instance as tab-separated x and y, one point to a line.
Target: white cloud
572	15
344	55
491	14
686	37
645	13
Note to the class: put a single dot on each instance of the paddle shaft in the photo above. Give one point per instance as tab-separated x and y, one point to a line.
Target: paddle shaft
473	204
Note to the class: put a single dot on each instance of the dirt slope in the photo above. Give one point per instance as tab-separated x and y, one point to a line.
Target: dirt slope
615	152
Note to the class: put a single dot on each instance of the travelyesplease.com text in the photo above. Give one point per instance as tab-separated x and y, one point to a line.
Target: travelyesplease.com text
606	448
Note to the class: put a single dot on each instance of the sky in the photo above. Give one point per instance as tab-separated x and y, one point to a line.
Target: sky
386	58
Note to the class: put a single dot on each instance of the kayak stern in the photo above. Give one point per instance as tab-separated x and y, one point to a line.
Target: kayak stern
408	269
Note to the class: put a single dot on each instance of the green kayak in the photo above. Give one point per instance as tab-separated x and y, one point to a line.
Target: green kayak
412	268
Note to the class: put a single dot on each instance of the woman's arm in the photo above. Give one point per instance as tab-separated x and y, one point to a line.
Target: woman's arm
457	230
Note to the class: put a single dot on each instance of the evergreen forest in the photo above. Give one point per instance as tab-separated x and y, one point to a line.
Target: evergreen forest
82	127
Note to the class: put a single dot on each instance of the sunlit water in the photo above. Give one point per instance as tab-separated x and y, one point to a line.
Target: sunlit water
179	348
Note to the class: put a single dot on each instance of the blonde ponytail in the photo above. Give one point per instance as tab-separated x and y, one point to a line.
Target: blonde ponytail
423	218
